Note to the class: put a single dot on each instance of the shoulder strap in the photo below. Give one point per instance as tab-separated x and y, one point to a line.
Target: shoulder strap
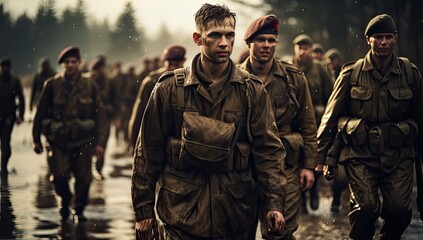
356	71
408	70
291	92
180	80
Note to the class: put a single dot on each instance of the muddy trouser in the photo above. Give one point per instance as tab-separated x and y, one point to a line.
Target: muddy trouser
291	211
99	163
339	184
172	233
6	127
396	191
76	162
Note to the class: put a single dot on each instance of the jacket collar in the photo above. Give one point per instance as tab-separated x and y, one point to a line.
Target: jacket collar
394	67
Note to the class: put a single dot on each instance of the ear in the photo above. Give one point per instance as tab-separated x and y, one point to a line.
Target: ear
368	40
197	38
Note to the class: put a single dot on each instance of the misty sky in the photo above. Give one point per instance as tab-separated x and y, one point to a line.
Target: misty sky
178	15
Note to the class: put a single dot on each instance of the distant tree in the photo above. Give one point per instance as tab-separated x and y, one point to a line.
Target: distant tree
22	44
6	32
99	38
126	40
157	44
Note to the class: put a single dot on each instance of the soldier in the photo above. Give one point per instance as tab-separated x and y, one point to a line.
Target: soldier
108	97
320	86
334	61
10	90
119	80
291	103
45	72
375	108
71	116
194	116
317	52
128	98
173	57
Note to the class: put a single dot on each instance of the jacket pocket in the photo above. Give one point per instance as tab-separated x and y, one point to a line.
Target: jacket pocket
293	143
399	102
361	103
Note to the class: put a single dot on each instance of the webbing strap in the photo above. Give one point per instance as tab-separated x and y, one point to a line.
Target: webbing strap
356	71
180	79
408	70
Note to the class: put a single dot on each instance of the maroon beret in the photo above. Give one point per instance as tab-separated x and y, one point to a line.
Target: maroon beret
97	63
174	53
70	51
262	25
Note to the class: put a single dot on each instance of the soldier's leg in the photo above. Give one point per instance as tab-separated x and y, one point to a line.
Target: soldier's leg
314	192
293	201
365	205
81	167
396	189
99	163
6	127
339	184
61	174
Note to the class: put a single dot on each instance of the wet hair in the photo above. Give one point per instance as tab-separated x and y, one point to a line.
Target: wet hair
209	12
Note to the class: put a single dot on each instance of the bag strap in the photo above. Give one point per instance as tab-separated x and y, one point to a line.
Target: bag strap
356	71
408	70
180	80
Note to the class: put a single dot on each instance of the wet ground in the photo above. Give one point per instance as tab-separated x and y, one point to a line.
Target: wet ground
29	208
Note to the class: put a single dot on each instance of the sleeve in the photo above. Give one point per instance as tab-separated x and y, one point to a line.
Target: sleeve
337	107
268	151
306	123
21	98
150	152
42	111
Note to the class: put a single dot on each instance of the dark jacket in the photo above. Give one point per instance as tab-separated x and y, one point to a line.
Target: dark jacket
10	89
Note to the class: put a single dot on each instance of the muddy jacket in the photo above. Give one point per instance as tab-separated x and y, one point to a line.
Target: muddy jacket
108	94
380	111
69	105
296	123
143	95
213	204
10	89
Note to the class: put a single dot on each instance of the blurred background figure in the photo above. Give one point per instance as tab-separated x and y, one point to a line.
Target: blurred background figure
243	56
45	71
317	52
10	91
334	61
108	97
173	57
118	79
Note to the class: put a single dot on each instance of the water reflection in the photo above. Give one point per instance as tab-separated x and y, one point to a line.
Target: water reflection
7	218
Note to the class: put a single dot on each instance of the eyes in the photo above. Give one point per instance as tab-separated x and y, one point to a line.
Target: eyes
387	37
218	35
263	39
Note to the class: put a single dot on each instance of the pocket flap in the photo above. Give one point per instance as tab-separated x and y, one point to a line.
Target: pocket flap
205	152
242	189
295	140
361	93
401	93
176	185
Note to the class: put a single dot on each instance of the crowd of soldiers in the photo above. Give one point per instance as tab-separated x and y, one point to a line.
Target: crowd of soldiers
231	144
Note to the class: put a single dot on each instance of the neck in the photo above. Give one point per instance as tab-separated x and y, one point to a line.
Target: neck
382	63
212	70
261	70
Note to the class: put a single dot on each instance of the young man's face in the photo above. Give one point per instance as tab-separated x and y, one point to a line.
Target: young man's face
216	40
262	47
382	44
303	52
71	65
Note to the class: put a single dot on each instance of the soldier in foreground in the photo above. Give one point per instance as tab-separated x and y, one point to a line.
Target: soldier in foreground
71	117
375	109
291	103
194	116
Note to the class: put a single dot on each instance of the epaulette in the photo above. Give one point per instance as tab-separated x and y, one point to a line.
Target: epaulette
347	67
165	75
290	67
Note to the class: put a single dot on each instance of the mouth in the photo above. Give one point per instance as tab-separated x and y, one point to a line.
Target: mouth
222	54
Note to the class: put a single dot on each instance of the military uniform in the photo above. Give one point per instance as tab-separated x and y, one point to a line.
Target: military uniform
72	118
10	89
382	105
297	130
38	81
207	202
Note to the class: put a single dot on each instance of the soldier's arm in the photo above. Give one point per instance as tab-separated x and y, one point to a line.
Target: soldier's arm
150	151
44	103
337	106
33	88
268	153
20	95
99	116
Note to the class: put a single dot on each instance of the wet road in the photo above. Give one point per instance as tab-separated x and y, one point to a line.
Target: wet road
29	208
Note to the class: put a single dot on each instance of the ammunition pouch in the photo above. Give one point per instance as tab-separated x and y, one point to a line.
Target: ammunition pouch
206	143
56	132
354	130
294	144
62	134
81	129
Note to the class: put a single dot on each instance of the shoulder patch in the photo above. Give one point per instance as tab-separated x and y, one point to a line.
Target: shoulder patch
165	76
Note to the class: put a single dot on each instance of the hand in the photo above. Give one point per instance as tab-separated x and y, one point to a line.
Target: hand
275	223
37	147
146	229
99	152
306	179
330	172
319	168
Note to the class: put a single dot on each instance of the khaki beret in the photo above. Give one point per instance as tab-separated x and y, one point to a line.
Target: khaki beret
380	24
174	53
332	53
6	62
303	39
71	51
263	25
317	47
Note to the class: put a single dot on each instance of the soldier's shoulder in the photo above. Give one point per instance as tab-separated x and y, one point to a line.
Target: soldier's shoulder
164	77
347	67
289	67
